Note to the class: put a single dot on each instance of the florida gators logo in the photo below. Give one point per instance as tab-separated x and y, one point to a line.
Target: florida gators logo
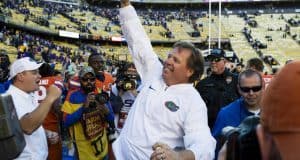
171	106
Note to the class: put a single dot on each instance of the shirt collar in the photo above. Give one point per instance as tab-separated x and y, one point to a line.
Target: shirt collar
179	86
16	90
243	107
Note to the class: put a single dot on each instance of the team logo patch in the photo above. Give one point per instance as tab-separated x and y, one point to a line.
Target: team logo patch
228	79
171	106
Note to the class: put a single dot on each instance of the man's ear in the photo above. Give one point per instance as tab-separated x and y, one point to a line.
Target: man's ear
189	72
20	77
239	89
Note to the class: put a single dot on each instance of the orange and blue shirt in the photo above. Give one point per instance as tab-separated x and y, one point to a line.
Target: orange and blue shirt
51	121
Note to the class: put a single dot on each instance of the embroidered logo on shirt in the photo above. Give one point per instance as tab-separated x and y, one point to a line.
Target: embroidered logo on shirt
171	106
228	79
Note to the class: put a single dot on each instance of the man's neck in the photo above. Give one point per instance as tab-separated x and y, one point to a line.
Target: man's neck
252	108
21	87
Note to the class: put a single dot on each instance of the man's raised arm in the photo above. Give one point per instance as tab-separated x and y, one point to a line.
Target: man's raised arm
145	60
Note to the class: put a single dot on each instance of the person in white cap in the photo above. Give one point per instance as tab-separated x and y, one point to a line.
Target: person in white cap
25	78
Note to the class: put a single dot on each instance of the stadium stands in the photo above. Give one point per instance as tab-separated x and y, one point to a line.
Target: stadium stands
270	37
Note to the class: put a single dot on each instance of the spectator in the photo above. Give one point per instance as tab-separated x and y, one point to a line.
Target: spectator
126	88
72	68
250	85
4	71
278	134
51	123
104	79
25	77
168	119
257	65
220	88
238	68
85	118
46	55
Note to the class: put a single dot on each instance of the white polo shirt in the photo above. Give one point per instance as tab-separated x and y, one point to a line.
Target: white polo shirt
36	144
174	115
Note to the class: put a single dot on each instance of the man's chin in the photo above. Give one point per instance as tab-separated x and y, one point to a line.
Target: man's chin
214	70
250	102
164	75
166	79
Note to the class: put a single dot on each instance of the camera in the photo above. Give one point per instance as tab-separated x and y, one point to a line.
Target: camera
128	82
128	85
101	98
242	142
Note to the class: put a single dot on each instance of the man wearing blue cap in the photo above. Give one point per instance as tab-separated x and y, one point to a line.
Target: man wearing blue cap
220	88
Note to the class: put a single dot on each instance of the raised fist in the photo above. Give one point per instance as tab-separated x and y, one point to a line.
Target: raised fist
54	92
95	2
125	3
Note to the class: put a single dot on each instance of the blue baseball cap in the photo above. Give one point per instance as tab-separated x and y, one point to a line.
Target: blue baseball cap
220	53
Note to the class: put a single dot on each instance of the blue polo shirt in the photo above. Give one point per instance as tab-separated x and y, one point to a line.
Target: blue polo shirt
231	115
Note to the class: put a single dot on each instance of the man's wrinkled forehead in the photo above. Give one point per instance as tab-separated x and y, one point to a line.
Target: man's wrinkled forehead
174	50
177	50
